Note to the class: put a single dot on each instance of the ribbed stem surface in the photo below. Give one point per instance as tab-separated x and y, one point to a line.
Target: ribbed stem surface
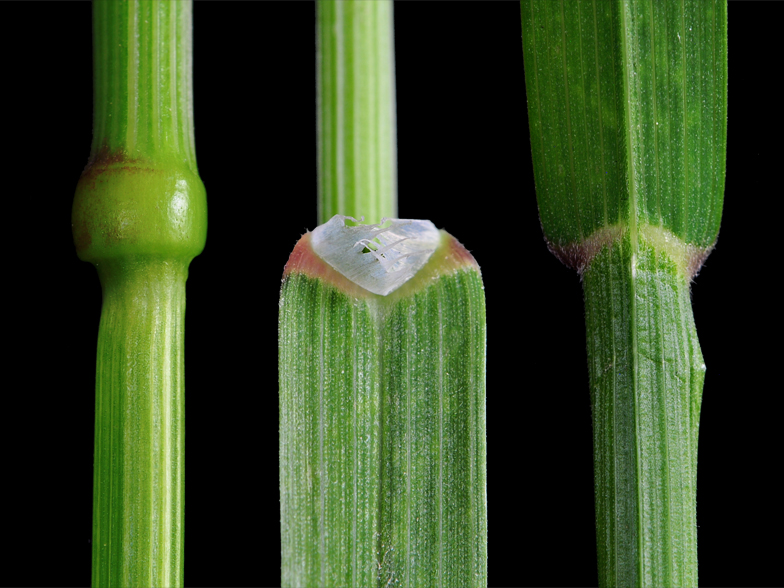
357	144
143	89
139	426
140	216
646	374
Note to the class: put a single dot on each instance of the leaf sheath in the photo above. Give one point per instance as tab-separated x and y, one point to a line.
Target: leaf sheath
382	440
646	373
329	436
434	504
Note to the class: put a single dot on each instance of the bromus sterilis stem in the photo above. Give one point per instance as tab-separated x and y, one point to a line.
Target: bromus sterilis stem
382	353
140	216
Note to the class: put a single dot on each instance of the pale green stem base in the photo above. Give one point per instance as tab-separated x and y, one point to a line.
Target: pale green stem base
646	374
139	426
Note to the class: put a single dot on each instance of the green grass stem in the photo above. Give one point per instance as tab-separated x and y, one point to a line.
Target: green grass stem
357	146
140	216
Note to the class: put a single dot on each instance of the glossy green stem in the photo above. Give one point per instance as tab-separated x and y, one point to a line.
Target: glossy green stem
357	143
140	215
143	93
139	426
646	373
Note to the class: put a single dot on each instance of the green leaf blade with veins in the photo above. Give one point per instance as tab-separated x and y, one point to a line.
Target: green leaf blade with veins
658	162
627	111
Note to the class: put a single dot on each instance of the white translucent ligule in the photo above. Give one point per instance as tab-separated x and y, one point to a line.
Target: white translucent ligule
376	257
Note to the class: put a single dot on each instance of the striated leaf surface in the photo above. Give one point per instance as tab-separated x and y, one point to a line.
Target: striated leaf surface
382	443
627	106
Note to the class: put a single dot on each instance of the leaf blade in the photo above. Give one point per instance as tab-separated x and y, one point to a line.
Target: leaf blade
636	134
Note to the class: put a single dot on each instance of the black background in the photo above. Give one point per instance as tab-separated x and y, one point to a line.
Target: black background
464	163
